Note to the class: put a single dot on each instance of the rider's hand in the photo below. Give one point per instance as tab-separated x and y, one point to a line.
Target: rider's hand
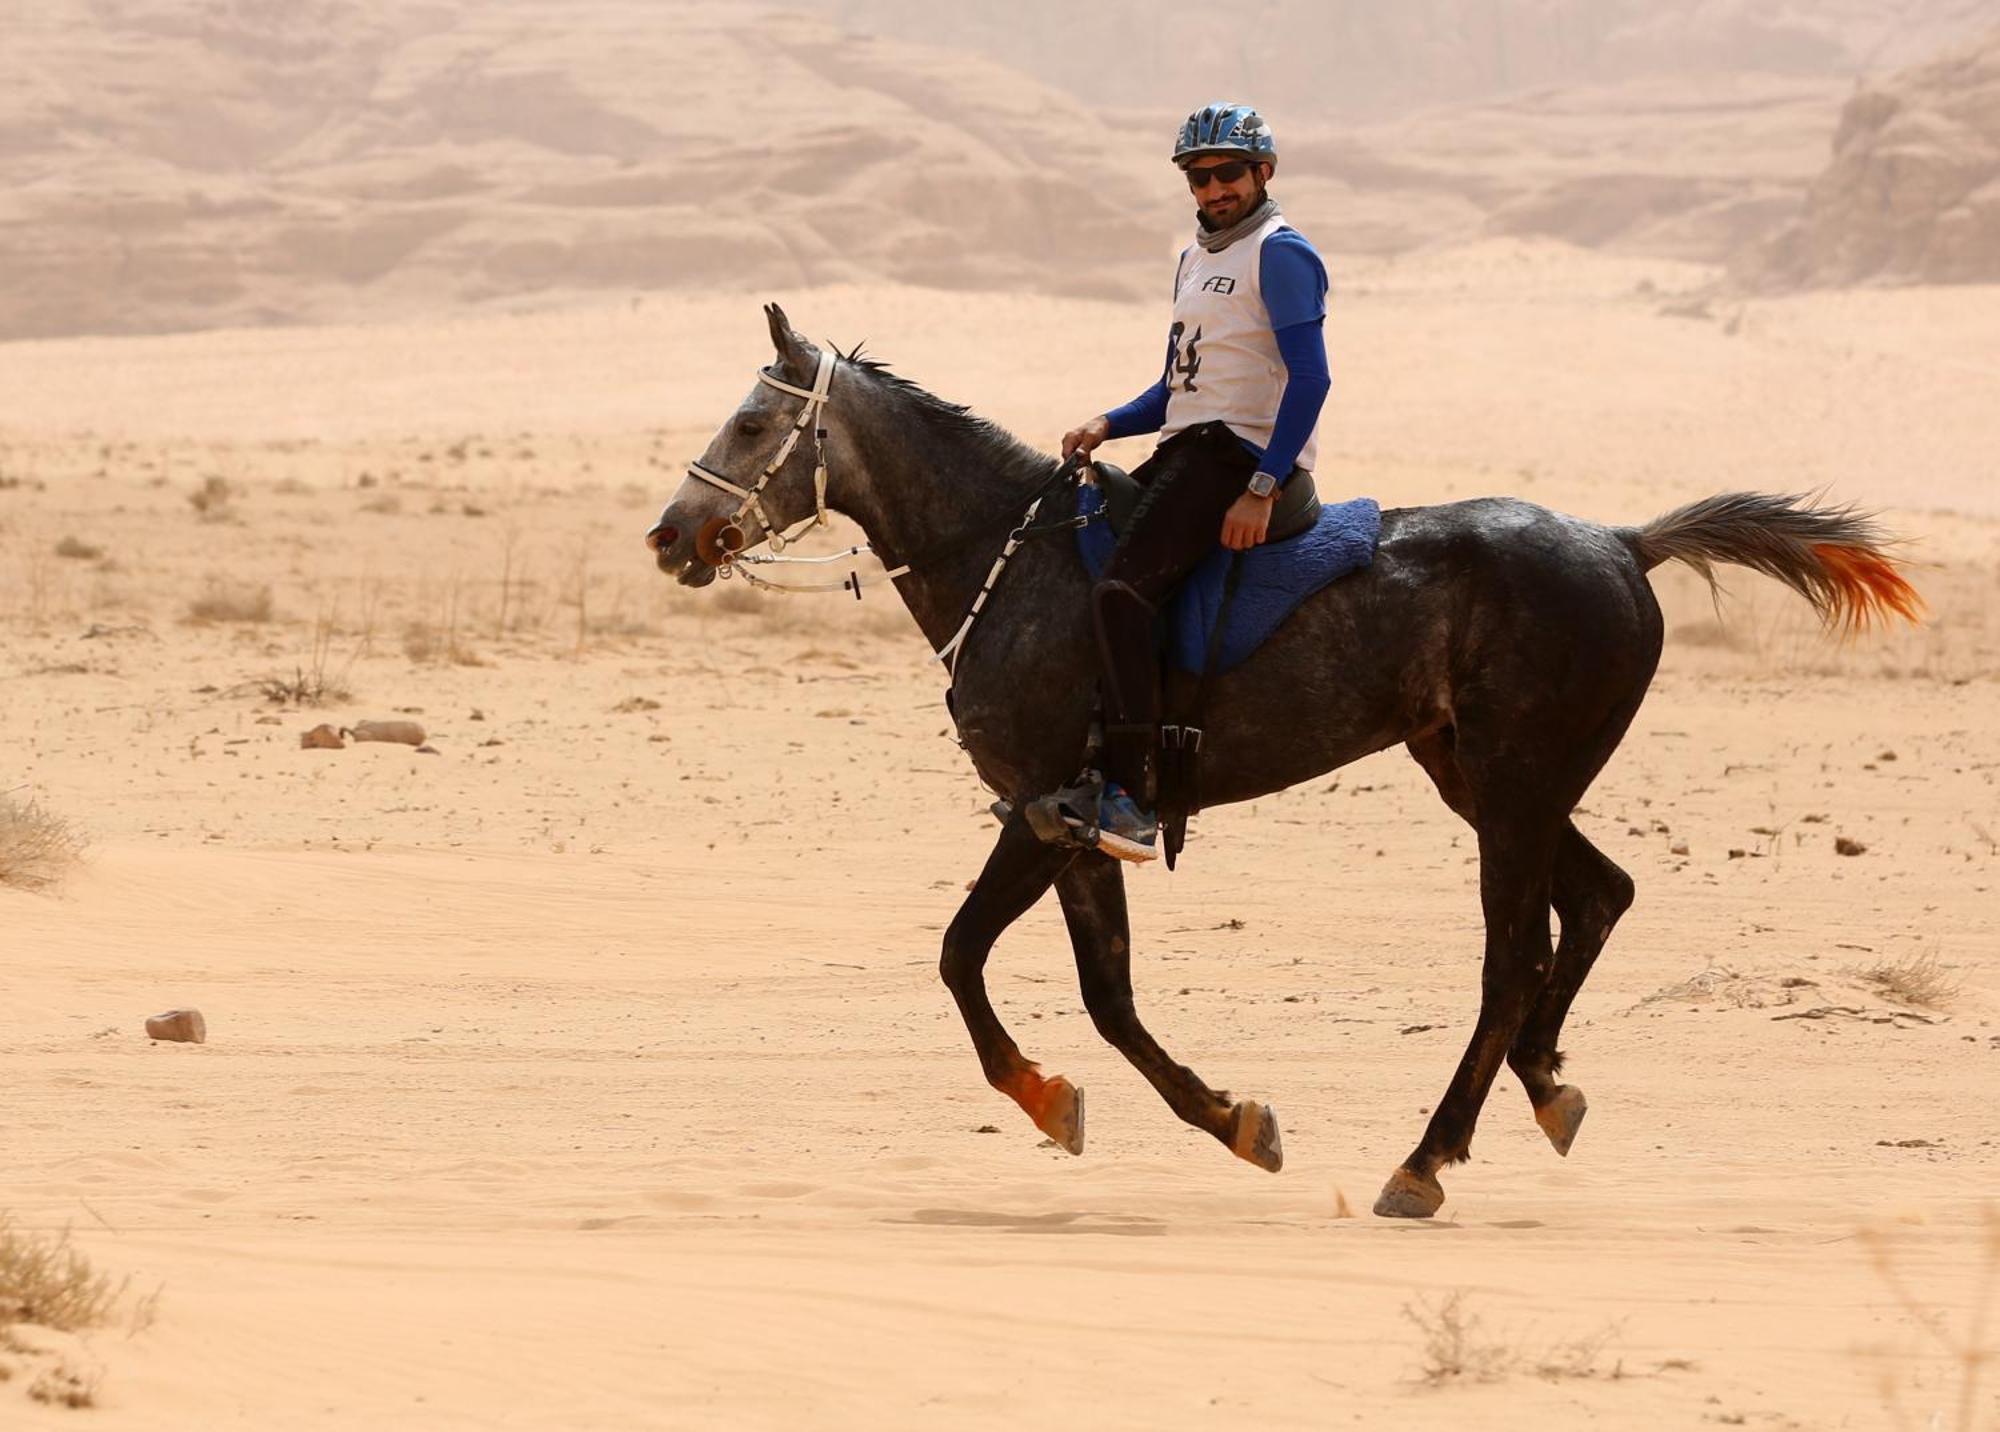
1085	437
1246	521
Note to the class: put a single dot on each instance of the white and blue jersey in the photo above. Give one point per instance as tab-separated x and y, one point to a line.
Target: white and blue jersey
1247	348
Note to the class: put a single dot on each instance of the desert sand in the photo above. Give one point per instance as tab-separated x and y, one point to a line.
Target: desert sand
593	1072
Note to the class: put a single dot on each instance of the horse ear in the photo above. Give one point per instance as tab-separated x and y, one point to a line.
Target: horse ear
795	354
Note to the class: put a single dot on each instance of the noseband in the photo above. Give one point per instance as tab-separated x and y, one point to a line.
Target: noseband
719	547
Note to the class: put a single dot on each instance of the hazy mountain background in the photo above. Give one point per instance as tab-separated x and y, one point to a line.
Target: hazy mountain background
172	164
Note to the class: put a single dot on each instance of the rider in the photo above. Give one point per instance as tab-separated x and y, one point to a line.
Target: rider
1236	403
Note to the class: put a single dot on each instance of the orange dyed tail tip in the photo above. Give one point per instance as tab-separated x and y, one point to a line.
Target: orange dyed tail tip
1867	588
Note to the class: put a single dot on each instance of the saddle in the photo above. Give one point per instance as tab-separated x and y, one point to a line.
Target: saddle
1296	510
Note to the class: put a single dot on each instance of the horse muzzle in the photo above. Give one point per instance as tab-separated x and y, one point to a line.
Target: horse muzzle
695	558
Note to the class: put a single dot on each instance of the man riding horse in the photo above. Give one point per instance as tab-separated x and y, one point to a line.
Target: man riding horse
1236	405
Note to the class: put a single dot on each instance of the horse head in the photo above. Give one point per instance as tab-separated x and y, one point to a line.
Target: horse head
757	476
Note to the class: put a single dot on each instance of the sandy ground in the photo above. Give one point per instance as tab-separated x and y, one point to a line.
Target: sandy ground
593	1072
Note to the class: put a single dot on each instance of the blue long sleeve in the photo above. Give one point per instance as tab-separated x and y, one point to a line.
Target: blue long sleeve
1295	285
1307	382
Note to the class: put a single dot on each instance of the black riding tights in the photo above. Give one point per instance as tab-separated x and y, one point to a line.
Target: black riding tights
1190	482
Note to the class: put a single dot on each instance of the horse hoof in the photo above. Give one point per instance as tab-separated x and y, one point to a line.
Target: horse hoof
1562	1116
1256	1136
1409	1195
1059	1113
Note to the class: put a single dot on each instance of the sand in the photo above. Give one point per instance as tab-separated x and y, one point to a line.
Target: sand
593	1072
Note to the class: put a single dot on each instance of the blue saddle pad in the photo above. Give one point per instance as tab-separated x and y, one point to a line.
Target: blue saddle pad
1277	577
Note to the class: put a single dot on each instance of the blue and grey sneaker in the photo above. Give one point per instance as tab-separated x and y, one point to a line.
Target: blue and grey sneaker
1124	828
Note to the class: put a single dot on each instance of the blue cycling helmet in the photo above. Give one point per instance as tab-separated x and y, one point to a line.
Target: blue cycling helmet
1226	129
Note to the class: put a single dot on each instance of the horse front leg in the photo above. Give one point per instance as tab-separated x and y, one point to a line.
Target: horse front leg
1017	874
1092	891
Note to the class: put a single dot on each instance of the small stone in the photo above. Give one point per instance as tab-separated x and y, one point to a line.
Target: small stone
1844	846
987	1129
179	1026
408	733
1735	853
322	738
1679	847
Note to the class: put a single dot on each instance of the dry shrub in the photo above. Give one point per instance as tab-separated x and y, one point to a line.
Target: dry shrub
63	1385
211	501
1967	1352
1457	1348
44	1280
77	550
232	602
37	848
1920	981
387	505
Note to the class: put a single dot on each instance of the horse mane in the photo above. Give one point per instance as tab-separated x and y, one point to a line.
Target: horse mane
993	444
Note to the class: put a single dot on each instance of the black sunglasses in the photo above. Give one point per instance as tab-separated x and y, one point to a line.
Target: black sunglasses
1227	173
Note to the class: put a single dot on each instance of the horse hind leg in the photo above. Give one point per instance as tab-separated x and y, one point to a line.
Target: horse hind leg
1017	874
1589	893
1092	892
1516	857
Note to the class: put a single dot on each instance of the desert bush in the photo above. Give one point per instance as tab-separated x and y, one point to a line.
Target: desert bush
232	602
1968	1350
387	505
1919	981
45	1280
78	550
213	498
1457	1348
37	848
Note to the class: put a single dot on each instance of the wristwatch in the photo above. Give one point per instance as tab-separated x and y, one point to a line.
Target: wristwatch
1263	485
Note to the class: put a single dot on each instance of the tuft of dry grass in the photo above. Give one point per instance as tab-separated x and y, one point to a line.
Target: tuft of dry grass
37	847
232	602
1457	1348
1967	1352
1919	981
213	500
310	683
78	550
62	1384
46	1281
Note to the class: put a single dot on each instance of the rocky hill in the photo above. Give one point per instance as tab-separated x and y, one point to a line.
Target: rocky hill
174	164
1362	60
1913	190
189	163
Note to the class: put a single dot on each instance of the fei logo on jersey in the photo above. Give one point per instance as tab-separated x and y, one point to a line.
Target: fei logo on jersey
1219	284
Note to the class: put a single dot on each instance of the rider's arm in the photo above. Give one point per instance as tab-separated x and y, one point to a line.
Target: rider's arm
1294	284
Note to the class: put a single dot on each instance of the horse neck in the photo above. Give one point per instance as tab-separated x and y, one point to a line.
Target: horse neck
942	502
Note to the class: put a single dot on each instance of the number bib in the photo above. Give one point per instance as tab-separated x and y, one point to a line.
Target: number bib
1224	364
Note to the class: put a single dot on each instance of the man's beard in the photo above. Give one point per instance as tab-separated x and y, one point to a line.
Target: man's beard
1201	210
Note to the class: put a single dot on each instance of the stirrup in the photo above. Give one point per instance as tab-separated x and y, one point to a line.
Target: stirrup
1067	816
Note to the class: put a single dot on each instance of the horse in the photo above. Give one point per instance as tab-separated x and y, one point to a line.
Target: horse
1506	646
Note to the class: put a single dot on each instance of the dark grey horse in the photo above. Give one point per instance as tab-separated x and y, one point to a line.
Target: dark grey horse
1505	645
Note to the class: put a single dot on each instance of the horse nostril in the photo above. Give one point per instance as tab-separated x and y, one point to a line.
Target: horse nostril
662	536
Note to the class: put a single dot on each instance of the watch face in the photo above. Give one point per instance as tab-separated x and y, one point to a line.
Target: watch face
1263	484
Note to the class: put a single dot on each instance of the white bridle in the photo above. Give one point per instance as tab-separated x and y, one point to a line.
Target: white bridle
810	412
735	560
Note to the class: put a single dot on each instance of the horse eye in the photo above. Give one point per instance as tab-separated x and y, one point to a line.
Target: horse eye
749	428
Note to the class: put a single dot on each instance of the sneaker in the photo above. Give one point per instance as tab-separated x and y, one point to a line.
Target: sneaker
1124	828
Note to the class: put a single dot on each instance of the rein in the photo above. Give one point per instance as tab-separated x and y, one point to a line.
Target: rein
727	543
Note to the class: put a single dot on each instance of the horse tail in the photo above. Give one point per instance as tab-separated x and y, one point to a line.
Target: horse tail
1831	556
